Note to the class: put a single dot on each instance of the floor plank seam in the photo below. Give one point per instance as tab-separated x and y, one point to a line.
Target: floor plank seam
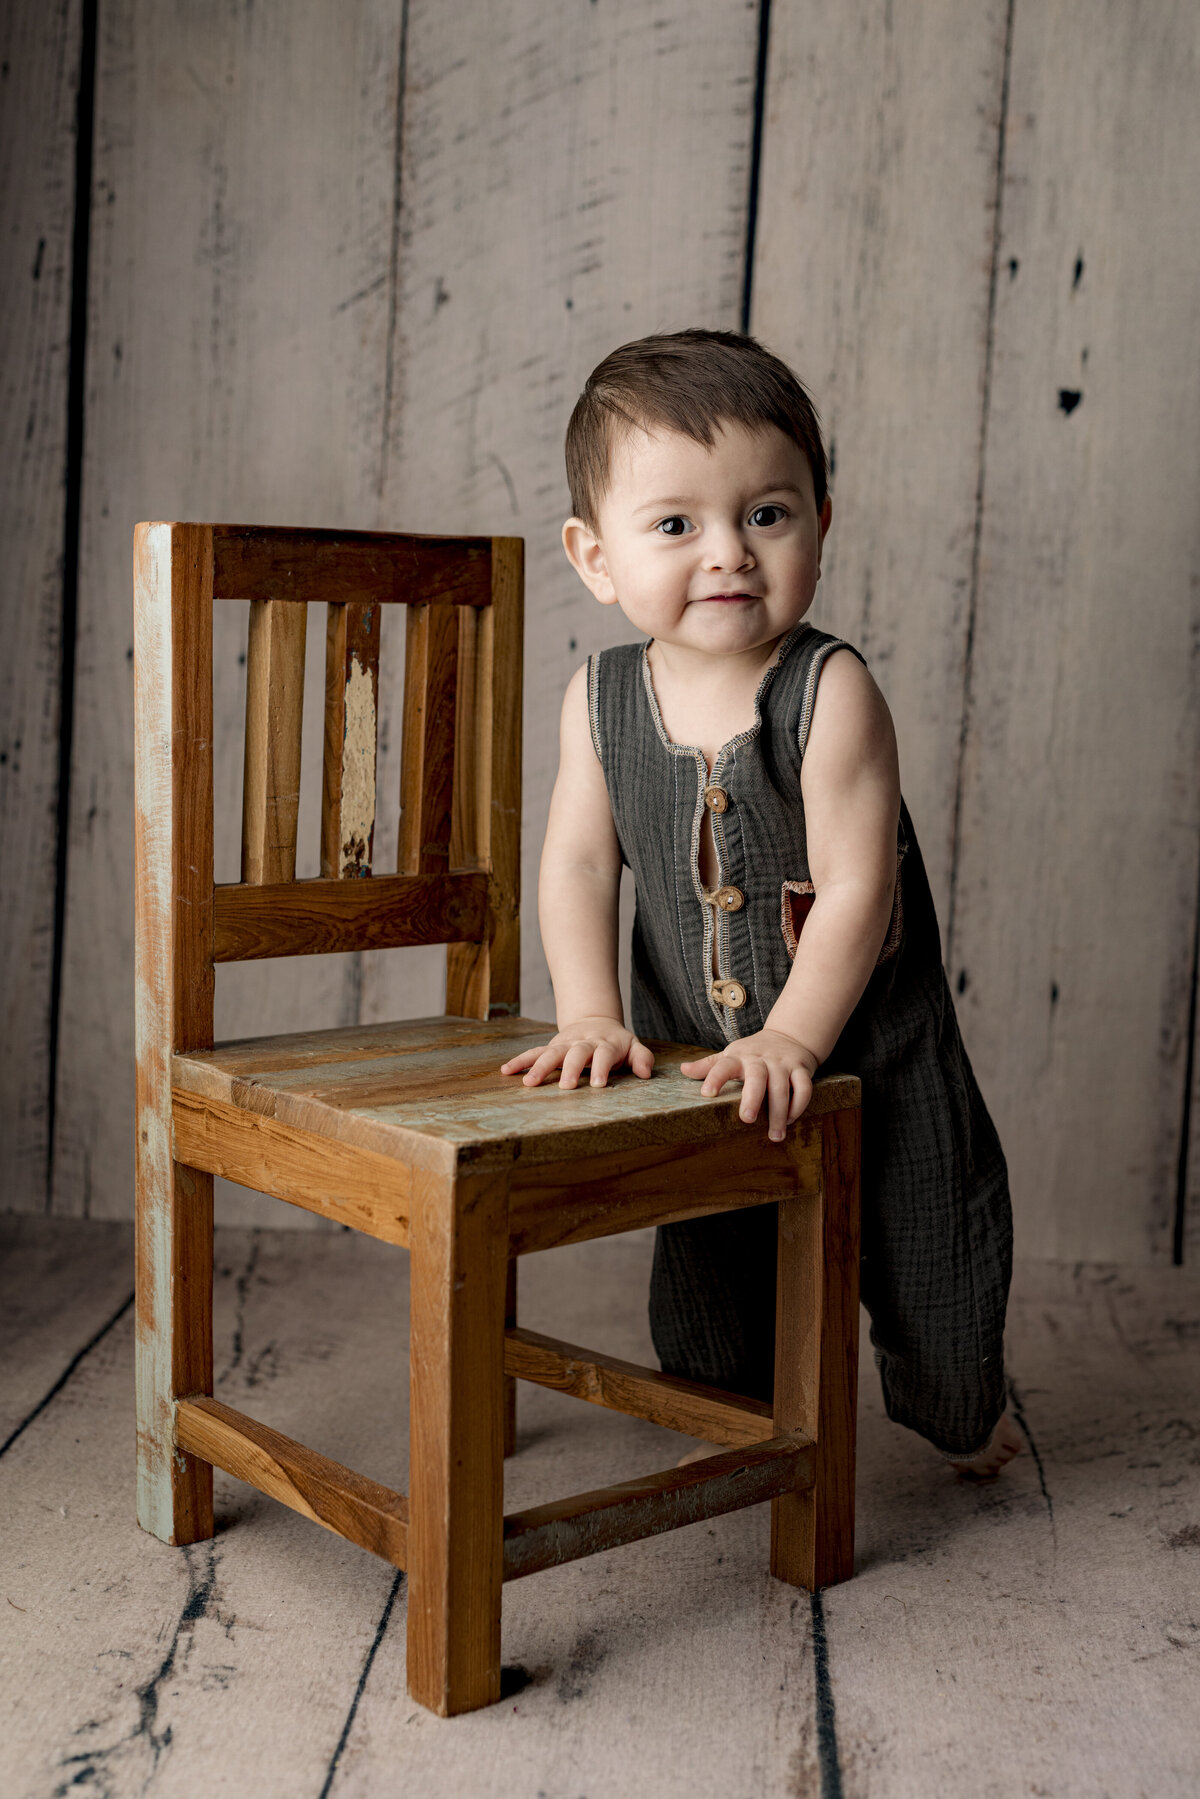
828	1762
347	1727
968	682
66	1374
97	1764
1018	1412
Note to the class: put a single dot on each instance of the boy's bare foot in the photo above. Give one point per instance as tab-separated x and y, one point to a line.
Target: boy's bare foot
988	1461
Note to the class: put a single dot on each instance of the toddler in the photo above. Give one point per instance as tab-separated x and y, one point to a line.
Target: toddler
743	764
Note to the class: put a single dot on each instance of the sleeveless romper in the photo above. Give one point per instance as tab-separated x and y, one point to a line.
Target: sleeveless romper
937	1227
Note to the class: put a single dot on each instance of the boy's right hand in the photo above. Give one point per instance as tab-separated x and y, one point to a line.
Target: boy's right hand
604	1042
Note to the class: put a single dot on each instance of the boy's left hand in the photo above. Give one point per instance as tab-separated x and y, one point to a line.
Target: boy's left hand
770	1066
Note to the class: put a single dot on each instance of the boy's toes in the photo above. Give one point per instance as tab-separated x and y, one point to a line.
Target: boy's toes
987	1462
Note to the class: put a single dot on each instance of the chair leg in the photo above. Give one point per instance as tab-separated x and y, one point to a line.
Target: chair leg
816	1361
459	1256
174	1265
510	1384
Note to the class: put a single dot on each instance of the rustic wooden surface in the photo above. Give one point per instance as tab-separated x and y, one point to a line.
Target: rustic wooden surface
459	1260
581	1524
39	49
1040	1632
348	797
242	271
397	1088
371	1515
816	1364
874	247
289	319
274	716
174	1011
664	1399
1074	927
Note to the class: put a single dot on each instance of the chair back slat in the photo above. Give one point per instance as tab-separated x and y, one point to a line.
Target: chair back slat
311	918
277	563
351	723
459	843
427	767
274	708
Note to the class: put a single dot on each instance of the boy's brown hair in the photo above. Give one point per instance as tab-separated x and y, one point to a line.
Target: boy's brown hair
692	382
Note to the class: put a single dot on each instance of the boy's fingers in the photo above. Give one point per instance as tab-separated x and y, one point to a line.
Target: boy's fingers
779	1095
526	1059
574	1063
603	1057
754	1087
641	1060
720	1070
696	1071
547	1061
801	1084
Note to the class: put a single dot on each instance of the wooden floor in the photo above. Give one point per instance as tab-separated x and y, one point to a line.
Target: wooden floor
1039	1635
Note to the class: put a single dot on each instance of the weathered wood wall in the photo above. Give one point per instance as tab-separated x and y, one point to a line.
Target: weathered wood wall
350	266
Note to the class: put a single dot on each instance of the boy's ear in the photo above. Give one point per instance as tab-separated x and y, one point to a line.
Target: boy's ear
826	516
585	553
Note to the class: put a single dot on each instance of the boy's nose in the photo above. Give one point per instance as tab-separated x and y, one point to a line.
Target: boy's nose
727	551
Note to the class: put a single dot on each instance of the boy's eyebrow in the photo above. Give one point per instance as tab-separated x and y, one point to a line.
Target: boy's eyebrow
675	500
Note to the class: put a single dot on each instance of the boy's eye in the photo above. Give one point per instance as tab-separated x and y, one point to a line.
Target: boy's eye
767	515
674	526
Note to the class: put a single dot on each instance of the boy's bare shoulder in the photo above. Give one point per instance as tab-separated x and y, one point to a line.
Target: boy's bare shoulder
850	720
576	726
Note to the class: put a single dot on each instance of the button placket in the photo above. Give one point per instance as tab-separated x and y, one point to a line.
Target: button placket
724	898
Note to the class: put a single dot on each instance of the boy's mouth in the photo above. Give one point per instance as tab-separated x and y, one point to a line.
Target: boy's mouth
728	598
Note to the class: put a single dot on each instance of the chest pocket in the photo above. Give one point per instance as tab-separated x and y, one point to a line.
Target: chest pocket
797	903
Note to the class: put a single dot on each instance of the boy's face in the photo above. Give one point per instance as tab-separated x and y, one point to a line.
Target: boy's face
716	550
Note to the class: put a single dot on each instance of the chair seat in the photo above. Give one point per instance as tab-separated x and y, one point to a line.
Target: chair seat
428	1093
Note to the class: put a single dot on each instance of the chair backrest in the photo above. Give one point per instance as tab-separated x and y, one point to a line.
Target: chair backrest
457	878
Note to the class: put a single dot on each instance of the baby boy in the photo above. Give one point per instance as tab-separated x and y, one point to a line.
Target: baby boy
743	764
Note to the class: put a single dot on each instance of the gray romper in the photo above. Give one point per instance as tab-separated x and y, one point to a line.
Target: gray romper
937	1227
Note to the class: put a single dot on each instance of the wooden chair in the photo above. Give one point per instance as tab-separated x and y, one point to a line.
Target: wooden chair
408	1131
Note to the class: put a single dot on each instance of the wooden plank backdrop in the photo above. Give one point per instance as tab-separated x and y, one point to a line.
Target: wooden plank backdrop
1073	923
351	268
240	305
39	56
548	214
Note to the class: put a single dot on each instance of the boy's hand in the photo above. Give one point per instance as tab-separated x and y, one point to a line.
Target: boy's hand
769	1065
604	1042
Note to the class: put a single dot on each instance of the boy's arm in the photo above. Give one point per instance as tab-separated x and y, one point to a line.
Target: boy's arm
578	893
851	785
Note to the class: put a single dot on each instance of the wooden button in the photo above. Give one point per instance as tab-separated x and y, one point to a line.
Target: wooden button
728	899
729	993
716	799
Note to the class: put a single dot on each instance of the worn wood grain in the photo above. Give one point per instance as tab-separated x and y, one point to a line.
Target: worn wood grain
39	50
880	300
457	1297
427	780
318	917
1080	841
368	567
625	1189
239	304
350	1505
484	980
173	1009
342	1181
274	713
816	1360
642	1392
539	167
351	714
545	1536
